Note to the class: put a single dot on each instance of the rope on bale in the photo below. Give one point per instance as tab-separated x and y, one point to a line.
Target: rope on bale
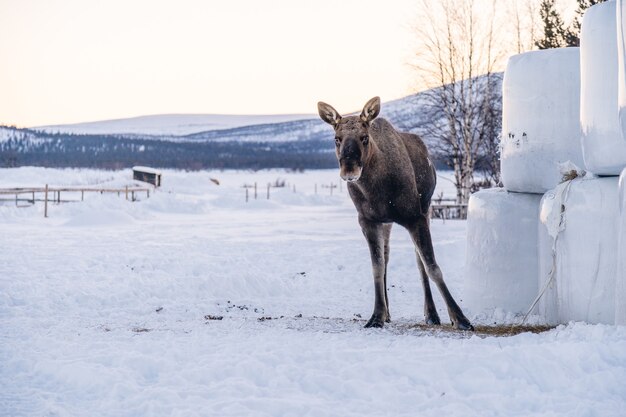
561	227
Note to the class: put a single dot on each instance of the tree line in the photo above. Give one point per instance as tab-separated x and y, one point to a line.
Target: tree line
116	152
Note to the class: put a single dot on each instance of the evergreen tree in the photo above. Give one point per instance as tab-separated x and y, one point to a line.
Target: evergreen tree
572	37
554	32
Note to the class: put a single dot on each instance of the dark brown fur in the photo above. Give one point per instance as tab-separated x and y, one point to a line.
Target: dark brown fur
390	180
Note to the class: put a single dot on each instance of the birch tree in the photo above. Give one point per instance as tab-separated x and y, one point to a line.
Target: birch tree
457	61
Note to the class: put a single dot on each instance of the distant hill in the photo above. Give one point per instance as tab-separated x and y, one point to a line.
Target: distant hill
170	124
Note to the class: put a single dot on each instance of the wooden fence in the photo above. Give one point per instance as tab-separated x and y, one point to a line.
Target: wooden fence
448	211
53	194
441	208
438	210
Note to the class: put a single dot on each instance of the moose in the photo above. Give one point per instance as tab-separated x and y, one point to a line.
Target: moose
391	179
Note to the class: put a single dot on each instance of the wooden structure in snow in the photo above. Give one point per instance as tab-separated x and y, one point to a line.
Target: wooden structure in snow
56	194
146	174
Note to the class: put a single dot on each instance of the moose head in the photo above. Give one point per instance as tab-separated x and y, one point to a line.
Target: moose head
352	137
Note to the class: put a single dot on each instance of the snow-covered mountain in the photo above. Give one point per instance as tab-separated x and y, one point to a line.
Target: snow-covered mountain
170	124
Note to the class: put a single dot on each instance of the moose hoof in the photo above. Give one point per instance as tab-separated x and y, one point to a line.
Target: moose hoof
464	325
432	320
375	321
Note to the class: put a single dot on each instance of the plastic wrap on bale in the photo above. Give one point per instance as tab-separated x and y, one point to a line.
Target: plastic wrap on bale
620	284
604	150
621	60
540	118
585	256
549	228
501	254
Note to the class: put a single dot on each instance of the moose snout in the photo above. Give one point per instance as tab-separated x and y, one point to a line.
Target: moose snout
349	170
351	177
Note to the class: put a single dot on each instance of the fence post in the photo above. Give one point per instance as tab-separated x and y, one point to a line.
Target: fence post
82	195
254	191
147	193
316	188
33	197
16	199
268	190
331	188
127	192
246	194
45	204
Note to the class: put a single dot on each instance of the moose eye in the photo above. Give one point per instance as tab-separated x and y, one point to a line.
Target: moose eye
337	141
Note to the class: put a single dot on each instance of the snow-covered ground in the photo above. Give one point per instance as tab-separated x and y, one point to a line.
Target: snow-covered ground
111	308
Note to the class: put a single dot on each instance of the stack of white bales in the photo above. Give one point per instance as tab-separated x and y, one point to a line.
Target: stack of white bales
581	236
585	255
540	131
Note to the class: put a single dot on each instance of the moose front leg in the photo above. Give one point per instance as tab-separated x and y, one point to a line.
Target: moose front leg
420	233
375	236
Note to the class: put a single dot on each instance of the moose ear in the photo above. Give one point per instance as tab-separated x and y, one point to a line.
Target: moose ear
371	110
328	113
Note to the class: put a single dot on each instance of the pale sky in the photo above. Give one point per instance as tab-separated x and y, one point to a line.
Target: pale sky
66	61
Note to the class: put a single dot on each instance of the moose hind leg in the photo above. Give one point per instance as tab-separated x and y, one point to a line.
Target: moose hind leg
430	312
386	235
420	233
374	235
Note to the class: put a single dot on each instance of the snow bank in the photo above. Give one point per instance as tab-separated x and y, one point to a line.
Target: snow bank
101	217
540	118
604	150
621	57
501	255
583	287
620	284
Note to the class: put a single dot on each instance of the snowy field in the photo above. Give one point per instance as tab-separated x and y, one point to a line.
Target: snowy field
196	303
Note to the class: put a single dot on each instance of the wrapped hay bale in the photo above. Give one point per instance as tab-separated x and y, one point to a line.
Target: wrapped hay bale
621	60
501	254
620	284
604	150
540	118
582	216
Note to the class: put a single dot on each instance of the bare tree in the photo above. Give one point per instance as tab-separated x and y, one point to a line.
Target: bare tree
458	59
531	10
523	14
